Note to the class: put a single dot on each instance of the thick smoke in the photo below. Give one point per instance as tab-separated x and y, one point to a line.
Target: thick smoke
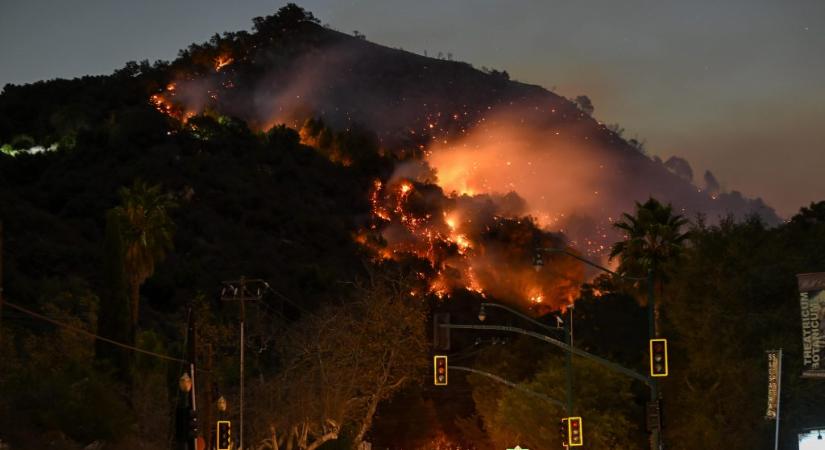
496	158
562	161
561	176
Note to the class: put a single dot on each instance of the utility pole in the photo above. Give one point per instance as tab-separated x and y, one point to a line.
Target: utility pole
242	291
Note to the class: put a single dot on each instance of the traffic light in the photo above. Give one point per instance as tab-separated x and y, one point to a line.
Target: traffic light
658	358
224	434
440	370
441	335
575	434
563	432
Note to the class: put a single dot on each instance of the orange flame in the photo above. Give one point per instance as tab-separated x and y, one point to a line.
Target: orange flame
222	61
458	253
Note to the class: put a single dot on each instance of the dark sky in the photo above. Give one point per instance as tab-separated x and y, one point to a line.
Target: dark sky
737	86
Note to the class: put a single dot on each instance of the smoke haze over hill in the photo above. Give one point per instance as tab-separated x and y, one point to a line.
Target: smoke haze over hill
481	132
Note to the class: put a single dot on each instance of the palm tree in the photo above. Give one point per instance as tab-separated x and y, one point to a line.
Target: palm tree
147	234
653	242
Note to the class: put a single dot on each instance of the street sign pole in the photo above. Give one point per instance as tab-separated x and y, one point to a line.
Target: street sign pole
778	402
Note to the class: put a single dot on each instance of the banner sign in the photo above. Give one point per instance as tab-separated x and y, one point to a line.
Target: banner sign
774	362
812	307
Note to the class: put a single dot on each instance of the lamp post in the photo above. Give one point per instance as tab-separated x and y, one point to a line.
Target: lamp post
186	418
538	262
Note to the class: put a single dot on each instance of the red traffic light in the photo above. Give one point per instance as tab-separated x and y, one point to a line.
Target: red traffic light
440	372
575	434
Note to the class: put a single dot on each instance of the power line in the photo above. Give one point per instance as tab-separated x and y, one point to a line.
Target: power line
287	299
90	334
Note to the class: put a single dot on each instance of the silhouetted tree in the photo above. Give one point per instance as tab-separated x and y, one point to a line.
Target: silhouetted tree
341	363
115	320
584	104
712	185
654	241
147	234
680	167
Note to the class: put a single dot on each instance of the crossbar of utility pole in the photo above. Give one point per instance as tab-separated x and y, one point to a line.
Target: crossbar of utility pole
509	383
240	292
557	343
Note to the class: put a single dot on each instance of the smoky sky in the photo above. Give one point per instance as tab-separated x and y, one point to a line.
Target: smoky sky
735	86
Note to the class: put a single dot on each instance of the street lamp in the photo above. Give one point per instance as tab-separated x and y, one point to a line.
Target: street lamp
482	314
187	420
185	383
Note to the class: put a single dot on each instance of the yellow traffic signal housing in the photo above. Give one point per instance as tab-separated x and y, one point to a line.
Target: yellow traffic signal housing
224	435
440	370
658	358
575	433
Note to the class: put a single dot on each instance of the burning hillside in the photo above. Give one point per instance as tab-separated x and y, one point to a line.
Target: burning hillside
479	243
501	161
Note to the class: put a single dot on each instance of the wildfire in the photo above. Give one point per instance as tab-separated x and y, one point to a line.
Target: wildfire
442	442
222	61
465	245
163	102
472	234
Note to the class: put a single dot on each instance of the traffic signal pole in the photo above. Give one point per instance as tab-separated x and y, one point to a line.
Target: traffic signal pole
511	384
656	432
563	345
568	332
568	338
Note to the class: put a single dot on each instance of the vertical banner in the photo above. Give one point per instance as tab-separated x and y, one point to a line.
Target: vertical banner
774	361
812	308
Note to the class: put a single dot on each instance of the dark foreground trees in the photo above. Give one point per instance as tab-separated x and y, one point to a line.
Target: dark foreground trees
339	364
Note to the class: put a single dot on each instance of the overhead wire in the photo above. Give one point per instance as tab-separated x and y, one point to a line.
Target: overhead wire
90	334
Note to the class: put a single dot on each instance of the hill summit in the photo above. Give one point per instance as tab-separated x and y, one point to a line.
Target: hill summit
415	147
